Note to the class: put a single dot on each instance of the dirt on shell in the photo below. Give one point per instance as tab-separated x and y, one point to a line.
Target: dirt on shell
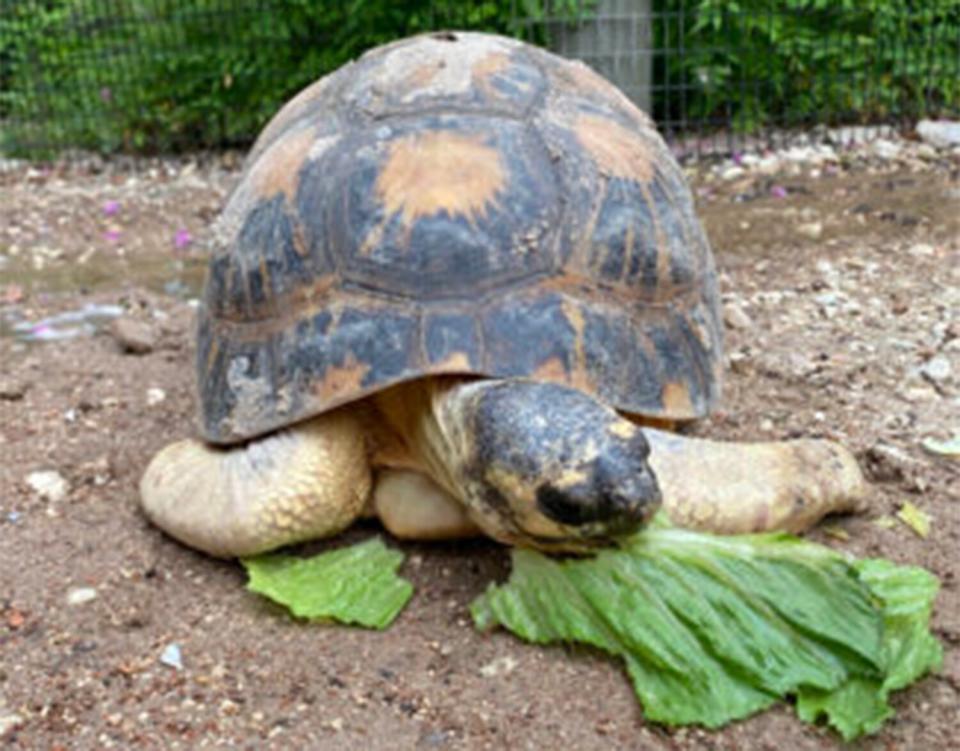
841	285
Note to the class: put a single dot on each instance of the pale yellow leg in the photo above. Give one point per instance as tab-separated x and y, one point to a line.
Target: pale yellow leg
413	507
732	488
306	482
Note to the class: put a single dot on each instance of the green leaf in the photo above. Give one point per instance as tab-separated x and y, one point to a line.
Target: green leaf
915	518
355	585
712	629
855	708
909	650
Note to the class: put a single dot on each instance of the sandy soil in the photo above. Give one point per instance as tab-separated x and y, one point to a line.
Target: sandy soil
842	286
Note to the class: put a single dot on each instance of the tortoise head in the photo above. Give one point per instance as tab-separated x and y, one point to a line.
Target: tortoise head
544	465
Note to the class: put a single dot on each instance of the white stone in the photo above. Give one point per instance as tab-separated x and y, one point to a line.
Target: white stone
9	722
940	133
500	666
736	317
886	149
49	484
828	299
921	250
800	154
768	165
81	595
171	657
809	155
937	368
825	268
155	396
851	134
812	230
732	172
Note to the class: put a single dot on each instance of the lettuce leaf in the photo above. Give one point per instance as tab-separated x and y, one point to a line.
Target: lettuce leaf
860	706
713	629
353	585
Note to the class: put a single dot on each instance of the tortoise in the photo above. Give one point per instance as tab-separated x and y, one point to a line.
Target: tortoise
461	286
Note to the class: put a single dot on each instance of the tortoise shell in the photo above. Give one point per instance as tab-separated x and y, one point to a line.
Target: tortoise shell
456	203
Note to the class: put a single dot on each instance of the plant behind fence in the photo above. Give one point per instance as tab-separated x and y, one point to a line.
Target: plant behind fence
163	75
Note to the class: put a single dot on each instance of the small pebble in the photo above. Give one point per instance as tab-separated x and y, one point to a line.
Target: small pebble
886	149
11	390
133	336
940	133
812	230
9	722
499	666
739	362
828	299
886	463
171	657
937	368
155	396
49	484
921	250
736	317
732	172
81	595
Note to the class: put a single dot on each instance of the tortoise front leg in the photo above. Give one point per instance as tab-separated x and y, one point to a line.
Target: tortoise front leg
306	482
734	488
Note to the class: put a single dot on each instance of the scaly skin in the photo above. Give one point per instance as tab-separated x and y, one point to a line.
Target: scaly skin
535	464
527	463
305	483
735	488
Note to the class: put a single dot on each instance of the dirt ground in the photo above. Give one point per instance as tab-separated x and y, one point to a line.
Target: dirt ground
841	278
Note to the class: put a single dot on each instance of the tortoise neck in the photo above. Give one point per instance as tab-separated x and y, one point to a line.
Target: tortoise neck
415	436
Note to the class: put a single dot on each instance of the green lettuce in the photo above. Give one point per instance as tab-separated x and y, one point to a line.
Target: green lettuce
859	706
353	585
713	629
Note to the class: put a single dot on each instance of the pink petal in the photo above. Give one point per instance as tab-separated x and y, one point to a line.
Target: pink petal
111	207
182	239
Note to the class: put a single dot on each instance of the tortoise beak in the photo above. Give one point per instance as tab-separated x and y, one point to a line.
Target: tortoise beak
617	496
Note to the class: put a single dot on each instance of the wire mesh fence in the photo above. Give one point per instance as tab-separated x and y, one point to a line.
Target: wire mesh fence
168	75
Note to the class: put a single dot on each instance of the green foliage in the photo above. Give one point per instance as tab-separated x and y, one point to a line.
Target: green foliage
712	629
755	62
166	75
162	75
355	585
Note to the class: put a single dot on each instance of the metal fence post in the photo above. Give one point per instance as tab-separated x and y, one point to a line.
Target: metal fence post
615	37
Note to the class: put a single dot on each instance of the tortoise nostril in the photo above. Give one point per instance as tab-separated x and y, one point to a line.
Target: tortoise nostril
622	507
566	508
